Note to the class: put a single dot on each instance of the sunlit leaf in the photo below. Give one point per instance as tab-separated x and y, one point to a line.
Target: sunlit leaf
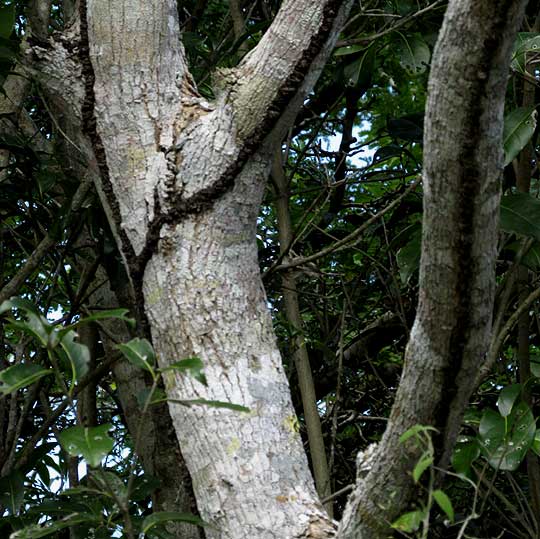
118	314
36	531
425	461
409	522
444	503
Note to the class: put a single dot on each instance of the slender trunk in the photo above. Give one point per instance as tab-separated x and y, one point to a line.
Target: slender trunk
523	351
300	354
450	336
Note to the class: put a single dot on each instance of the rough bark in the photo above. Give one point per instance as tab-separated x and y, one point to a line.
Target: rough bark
183	180
462	169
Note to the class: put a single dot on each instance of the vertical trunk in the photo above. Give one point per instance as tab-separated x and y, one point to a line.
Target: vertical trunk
205	298
300	354
462	167
523	351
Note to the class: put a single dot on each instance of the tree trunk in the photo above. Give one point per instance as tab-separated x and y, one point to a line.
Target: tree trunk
462	170
181	180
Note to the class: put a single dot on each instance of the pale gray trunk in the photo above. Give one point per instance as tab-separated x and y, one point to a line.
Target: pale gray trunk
462	169
182	180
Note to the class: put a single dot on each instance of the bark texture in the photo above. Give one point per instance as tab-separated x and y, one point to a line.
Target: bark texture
182	180
462	169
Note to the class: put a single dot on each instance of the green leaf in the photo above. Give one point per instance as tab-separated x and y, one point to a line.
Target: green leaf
507	398
413	53
211	404
519	126
504	441
119	314
167	516
414	430
91	443
158	395
360	71
111	485
18	303
7	20
444	503
535	365
525	43
77	353
192	366
465	453
536	442
12	492
143	486
520	214
409	522
426	460
35	324
35	531
350	49
140	353
21	375
408	257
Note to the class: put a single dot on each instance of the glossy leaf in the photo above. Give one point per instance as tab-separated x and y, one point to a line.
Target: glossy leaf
505	440
140	353
360	71
143	486
519	126
507	398
119	314
90	443
520	214
52	526
77	353
525	43
413	53
21	375
536	442
465	453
